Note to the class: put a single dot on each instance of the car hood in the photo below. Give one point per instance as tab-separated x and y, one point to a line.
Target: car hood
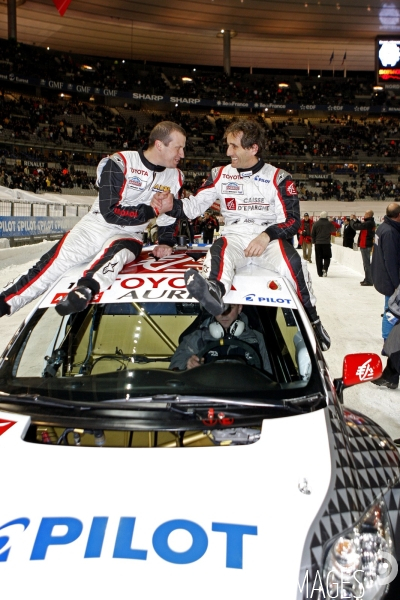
227	519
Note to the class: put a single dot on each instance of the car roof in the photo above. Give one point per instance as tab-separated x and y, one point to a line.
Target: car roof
150	280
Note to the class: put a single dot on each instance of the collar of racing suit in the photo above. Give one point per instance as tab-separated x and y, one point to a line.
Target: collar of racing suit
259	165
148	164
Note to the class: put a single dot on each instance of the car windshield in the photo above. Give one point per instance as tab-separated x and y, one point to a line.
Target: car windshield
131	350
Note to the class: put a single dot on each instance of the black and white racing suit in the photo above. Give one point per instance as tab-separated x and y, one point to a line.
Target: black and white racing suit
110	235
256	200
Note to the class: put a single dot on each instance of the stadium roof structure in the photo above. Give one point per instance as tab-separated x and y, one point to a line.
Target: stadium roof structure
283	34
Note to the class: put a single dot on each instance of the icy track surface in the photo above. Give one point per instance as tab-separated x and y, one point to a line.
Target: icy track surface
350	313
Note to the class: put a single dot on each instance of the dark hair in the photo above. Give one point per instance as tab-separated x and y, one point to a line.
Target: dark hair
162	132
393	210
253	133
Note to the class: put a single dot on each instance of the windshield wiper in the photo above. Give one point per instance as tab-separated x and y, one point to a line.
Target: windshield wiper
164	401
40	400
178	399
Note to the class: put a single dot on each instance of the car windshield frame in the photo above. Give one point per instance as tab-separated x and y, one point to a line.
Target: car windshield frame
204	381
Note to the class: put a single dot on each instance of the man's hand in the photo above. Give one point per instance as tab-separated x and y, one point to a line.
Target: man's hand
258	245
194	361
162	202
161	251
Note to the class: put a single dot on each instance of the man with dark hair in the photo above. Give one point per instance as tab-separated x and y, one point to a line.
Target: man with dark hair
261	212
365	241
348	234
134	187
250	134
385	266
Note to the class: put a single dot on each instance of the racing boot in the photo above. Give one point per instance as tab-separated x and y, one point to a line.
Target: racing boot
321	335
382	382
4	307
208	292
76	301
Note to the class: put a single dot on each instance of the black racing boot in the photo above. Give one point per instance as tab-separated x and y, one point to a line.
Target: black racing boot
382	382
208	292
76	301
5	308
321	335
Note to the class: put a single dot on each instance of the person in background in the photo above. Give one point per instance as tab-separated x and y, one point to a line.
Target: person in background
348	234
365	242
321	238
305	237
208	226
391	347
385	265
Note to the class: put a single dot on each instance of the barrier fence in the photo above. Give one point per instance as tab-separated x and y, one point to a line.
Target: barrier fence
30	222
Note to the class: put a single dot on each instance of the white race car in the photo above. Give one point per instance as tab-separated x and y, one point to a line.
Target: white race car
243	477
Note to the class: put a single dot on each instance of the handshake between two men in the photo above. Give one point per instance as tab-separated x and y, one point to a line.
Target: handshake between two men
162	202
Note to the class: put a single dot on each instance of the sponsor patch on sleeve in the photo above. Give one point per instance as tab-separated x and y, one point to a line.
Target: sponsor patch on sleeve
291	188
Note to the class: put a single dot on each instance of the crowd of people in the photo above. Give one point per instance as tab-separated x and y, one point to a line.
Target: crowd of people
52	121
43	130
379	245
41	180
113	73
37	121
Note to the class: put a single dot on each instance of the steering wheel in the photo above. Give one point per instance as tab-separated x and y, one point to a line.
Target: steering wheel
254	361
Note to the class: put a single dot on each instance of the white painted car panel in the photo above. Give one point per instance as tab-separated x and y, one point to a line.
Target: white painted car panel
256	485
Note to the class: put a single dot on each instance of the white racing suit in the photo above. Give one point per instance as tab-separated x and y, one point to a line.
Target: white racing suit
110	235
263	198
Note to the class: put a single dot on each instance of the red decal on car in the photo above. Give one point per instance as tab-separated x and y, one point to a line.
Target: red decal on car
361	367
58	297
4	425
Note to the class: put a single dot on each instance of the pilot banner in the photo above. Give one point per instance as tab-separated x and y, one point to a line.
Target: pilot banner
11	227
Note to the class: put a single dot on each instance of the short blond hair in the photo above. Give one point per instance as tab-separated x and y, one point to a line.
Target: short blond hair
162	132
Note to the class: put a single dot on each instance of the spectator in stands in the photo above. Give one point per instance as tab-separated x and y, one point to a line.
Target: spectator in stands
365	242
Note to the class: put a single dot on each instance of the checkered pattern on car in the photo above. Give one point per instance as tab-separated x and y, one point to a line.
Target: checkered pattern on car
365	464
